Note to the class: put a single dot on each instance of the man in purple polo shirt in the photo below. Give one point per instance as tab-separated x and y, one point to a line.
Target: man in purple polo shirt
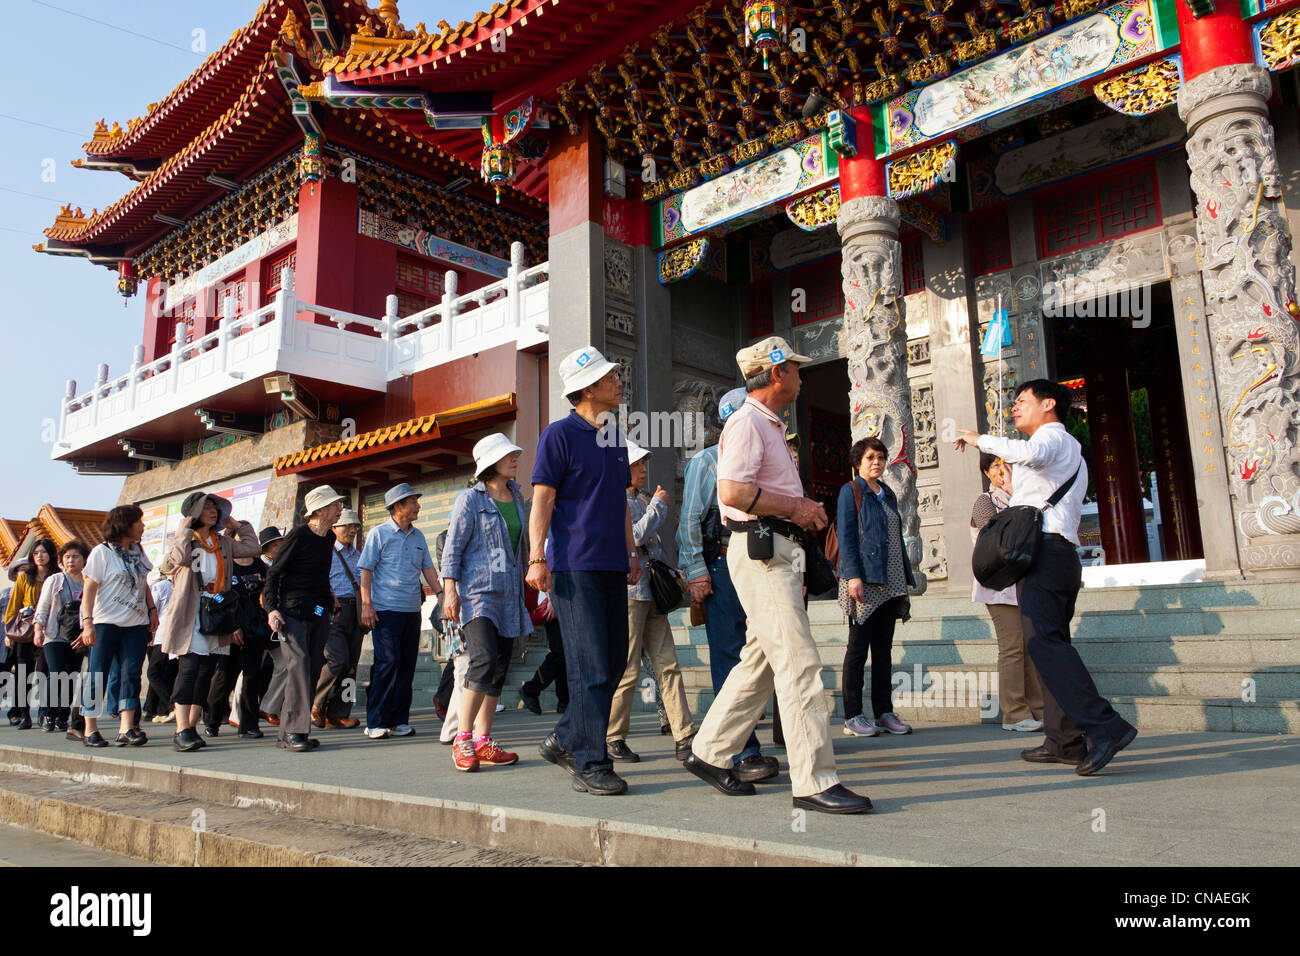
580	484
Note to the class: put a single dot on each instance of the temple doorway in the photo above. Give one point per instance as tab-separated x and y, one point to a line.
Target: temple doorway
822	419
1119	355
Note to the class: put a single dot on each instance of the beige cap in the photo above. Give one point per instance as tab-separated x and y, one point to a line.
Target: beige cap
761	356
347	517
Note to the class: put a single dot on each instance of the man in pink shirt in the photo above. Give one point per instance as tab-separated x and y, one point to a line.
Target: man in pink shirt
762	502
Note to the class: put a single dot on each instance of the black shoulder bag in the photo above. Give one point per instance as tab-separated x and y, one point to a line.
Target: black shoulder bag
218	613
1005	548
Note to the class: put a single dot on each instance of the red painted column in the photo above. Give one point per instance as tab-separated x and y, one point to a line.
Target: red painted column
327	244
153	298
862	175
574	180
1220	38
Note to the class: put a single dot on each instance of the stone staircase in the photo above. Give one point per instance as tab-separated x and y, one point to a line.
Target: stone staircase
1210	656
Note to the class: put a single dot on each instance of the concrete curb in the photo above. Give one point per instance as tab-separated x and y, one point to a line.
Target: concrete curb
579	839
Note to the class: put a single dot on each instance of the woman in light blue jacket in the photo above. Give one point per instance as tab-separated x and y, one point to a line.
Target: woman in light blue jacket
483	564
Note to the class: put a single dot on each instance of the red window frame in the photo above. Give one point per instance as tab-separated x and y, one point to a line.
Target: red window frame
1107	200
419	284
992	252
274	265
913	266
824	288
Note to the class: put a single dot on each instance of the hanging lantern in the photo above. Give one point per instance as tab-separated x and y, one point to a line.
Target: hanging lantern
765	25
498	166
128	283
311	166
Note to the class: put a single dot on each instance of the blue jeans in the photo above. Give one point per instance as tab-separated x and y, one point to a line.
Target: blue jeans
396	640
123	648
591	607
725	628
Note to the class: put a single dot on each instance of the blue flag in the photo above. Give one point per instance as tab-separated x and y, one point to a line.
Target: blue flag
998	335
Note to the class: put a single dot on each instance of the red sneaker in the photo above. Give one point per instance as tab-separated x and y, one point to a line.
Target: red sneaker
489	753
464	756
272	719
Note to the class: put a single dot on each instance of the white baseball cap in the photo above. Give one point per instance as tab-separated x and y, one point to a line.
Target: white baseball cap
490	450
583	367
635	452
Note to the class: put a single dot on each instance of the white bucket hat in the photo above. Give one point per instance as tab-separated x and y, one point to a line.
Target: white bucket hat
347	517
583	367
490	450
635	453
320	497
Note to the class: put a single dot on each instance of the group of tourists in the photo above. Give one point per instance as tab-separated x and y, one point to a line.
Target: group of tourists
274	622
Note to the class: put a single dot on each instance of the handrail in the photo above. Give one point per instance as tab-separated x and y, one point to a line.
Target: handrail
286	306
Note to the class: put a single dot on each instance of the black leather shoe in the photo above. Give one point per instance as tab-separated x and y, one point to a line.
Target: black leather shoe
95	740
187	741
552	752
1043	755
602	783
683	748
25	723
135	737
253	734
1100	754
313	743
836	799
723	780
211	731
757	769
296	742
619	750
122	741
15	721
530	701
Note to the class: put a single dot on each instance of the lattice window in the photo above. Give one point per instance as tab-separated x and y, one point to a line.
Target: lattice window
990	241
913	267
420	285
271	275
823	296
760	309
1098	209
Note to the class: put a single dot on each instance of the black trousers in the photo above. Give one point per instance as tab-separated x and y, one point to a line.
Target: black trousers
876	634
1071	704
23	659
251	664
162	678
552	667
193	678
342	652
224	674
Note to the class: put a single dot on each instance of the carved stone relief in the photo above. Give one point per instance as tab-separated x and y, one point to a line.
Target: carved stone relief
820	341
1249	283
697	403
927	451
934	564
618	271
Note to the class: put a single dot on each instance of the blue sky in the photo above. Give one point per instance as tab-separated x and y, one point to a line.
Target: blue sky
67	63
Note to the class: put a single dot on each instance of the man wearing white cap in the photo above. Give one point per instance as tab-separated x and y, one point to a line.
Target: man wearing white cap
393	559
702	543
763	504
332	707
299	604
580	482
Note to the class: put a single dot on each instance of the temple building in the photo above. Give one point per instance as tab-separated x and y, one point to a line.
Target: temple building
878	181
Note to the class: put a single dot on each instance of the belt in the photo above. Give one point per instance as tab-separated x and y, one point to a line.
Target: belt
350	600
787	528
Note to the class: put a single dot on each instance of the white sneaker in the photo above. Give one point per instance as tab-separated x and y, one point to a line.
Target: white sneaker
377	733
860	726
403	730
164	718
500	707
1026	726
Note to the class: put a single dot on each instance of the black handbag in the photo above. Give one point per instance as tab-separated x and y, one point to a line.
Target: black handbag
665	585
68	620
819	575
218	613
1006	546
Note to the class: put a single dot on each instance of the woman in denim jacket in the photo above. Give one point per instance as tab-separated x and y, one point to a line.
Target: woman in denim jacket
874	577
483	564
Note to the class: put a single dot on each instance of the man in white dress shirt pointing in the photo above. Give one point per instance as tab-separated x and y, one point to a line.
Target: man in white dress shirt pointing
1081	726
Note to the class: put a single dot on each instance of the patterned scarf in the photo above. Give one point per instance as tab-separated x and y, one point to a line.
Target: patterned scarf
132	560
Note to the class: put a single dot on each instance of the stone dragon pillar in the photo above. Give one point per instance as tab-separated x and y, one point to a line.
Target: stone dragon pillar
874	340
1250	301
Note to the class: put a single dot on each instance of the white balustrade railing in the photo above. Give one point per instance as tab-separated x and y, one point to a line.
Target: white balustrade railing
349	348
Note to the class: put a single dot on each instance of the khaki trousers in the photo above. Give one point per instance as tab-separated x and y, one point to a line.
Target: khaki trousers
648	629
451	724
1019	693
780	654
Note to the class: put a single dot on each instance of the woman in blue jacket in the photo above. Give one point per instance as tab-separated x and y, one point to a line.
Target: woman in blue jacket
874	577
483	564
